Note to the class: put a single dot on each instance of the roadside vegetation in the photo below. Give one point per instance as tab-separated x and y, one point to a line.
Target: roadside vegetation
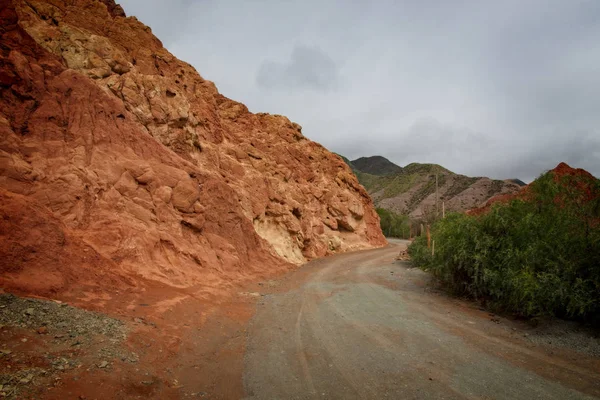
535	255
394	225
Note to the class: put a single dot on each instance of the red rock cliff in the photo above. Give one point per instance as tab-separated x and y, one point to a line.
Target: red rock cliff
119	160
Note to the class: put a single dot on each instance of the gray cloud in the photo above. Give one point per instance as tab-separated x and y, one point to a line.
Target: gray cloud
430	141
503	89
308	67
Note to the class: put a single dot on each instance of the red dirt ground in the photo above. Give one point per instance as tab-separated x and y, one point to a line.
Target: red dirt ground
187	346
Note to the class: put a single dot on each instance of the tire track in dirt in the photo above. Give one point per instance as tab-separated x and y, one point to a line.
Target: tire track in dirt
362	326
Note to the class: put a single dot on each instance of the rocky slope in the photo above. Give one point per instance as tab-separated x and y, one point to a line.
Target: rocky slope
120	163
412	190
583	187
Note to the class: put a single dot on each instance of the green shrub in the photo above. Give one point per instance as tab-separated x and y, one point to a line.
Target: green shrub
394	225
537	256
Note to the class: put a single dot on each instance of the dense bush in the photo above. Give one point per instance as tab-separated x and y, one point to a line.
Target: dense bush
394	225
539	255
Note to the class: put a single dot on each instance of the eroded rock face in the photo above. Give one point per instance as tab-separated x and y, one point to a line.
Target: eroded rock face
145	163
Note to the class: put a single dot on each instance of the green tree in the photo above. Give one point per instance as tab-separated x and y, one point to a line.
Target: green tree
539	255
393	224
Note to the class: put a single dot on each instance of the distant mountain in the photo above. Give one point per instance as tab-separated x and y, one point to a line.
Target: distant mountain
518	182
412	190
376	165
347	162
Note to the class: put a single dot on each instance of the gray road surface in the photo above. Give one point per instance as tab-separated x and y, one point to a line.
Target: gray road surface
364	326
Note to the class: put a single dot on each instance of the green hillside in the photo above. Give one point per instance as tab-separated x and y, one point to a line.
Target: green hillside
410	190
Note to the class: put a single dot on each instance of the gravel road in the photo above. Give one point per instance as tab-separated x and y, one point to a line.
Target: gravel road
364	326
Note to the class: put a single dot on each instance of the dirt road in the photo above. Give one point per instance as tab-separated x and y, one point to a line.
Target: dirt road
356	325
364	326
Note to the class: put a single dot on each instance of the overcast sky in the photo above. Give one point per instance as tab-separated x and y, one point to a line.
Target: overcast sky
485	88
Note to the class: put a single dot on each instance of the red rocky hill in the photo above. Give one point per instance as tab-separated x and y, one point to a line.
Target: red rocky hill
120	163
582	187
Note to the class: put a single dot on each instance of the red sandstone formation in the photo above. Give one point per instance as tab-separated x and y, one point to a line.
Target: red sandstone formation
563	170
578	179
119	162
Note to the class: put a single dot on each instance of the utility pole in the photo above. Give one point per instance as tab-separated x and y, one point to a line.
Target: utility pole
437	210
428	238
